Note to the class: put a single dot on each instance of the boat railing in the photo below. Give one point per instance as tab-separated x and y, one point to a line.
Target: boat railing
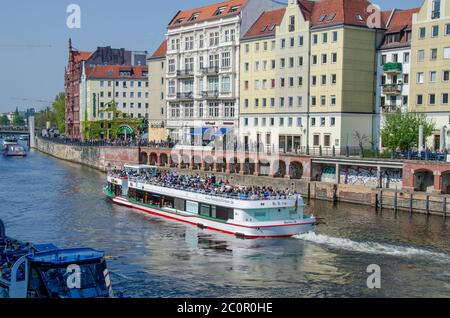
214	193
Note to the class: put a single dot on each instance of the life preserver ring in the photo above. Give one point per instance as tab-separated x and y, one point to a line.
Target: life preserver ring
2	229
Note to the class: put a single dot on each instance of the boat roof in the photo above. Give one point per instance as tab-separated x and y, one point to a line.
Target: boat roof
140	167
68	256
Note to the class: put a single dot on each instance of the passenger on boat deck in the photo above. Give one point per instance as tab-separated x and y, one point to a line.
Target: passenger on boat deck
212	185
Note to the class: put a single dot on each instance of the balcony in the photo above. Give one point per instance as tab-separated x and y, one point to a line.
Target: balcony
185	73
392	89
185	96
210	94
390	108
210	70
393	68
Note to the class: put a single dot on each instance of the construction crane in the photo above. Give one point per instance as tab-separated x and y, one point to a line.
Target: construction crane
23	45
39	101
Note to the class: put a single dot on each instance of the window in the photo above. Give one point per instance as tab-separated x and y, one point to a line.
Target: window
421	55
281	122
189	43
333	78
435	31
315	38
283	43
314	80
282	82
445	98
434	53
420	78
324	58
214	39
333	58
299	122
316	139
433	77
291	62
333	121
256	102
300	40
445	76
282	63
172	68
226	84
299	101
226	59
292	42
447	53
314	59
246	85
324	37
313	101
323	80
272	102
422	33
333	100
436	9
327	140
419	100
323	100
291	102
245	121
432	99
220	11
447	29
281	101
246	103
300	61
406	57
335	34
201	41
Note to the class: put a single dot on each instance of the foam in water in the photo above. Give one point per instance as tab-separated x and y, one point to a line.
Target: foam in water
373	247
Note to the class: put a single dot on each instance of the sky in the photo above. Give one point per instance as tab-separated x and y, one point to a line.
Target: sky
37	73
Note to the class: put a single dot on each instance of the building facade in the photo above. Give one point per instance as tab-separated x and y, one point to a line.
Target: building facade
394	65
102	56
202	69
430	62
274	80
157	88
114	100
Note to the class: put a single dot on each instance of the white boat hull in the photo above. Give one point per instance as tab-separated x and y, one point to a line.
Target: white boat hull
240	230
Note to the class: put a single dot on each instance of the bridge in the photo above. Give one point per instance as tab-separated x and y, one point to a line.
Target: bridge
9	130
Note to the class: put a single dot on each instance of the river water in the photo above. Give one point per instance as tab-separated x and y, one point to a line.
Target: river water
45	200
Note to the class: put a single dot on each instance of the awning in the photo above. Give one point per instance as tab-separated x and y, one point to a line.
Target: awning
220	132
198	131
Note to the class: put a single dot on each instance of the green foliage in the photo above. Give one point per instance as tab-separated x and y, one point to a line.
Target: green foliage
59	111
109	129
4	120
402	130
18	120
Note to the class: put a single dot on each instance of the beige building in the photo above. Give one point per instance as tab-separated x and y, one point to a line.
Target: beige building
157	89
430	63
274	80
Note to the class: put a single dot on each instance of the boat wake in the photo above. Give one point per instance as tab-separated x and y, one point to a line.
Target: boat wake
374	247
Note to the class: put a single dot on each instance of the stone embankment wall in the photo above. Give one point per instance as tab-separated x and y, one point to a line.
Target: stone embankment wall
100	158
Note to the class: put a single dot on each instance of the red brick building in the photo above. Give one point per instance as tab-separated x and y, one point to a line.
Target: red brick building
73	72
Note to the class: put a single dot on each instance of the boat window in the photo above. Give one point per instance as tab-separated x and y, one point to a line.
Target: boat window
192	207
260	214
205	210
213	211
180	204
37	286
20	275
168	202
224	213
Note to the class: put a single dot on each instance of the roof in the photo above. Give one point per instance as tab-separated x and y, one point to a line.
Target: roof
81	56
335	12
398	21
64	257
401	19
205	13
161	51
114	72
265	25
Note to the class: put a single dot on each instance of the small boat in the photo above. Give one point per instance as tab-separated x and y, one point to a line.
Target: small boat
45	271
15	150
9	141
24	137
270	216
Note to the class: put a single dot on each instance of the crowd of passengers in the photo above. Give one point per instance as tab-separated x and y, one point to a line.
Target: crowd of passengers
210	185
10	252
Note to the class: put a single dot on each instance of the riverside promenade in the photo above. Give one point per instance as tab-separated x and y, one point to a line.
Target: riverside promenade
412	186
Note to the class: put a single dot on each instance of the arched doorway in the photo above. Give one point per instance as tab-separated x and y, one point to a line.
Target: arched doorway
296	170
143	158
163	159
279	168
153	159
423	180
446	182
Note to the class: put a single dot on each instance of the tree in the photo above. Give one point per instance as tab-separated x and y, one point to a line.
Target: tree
59	112
402	130
17	119
4	121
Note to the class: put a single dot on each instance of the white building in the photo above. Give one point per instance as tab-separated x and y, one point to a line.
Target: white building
202	73
394	64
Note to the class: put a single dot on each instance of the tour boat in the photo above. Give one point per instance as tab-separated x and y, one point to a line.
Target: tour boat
45	271
15	151
8	142
246	218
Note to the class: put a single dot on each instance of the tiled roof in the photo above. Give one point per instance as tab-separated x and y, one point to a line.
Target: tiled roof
113	72
81	56
207	13
402	19
161	51
266	23
335	12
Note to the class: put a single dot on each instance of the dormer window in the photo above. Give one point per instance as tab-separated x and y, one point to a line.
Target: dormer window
234	9
272	27
359	17
331	17
220	11
125	73
194	17
264	28
322	17
179	21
